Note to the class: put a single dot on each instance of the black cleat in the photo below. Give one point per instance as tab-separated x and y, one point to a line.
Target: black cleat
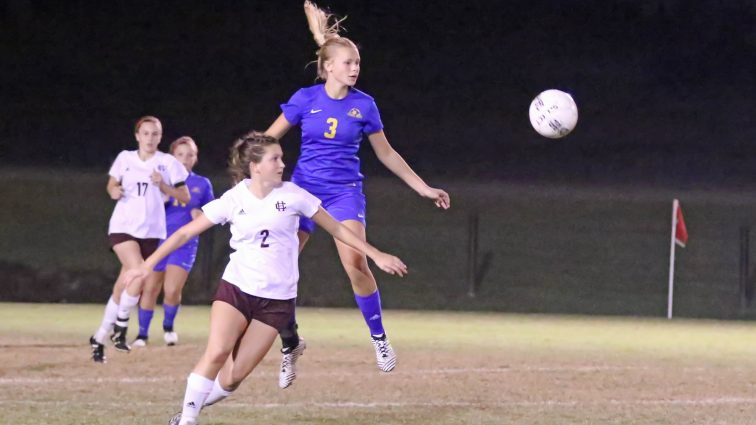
98	351
119	339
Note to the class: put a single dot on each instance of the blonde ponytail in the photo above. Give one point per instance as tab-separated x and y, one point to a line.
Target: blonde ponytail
325	34
317	20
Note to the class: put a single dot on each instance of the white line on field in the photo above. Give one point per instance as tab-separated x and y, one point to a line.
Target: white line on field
442	371
718	401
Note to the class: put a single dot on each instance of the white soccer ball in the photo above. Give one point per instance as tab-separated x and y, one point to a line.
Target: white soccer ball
553	114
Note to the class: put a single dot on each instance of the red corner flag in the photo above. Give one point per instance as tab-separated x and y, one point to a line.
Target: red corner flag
679	237
681	232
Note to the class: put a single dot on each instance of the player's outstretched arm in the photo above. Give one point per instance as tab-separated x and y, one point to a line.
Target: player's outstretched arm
178	238
386	262
394	162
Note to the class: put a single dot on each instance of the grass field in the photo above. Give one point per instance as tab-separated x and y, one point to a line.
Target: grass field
560	249
454	368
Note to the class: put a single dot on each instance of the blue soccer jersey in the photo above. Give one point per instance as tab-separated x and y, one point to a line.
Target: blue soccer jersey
178	214
332	130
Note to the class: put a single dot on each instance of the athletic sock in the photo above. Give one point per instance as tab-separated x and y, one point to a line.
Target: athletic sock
216	394
197	389
145	318
124	307
370	307
169	315
108	319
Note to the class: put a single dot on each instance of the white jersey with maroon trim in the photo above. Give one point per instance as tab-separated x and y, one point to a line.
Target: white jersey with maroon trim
264	235
141	212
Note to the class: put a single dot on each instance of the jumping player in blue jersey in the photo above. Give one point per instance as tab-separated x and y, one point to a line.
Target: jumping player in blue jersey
171	273
334	117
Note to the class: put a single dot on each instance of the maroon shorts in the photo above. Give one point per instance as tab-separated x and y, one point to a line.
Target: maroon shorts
146	246
275	313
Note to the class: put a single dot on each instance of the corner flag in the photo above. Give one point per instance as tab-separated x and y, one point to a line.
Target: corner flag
679	237
681	232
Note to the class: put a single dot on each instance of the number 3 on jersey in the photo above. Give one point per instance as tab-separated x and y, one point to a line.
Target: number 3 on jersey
333	123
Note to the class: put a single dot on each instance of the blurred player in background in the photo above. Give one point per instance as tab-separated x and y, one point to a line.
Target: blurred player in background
171	273
334	117
256	294
138	181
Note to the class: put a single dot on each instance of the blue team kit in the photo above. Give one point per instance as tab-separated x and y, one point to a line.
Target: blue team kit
332	131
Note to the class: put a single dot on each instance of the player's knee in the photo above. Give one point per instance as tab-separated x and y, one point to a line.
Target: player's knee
217	355
172	296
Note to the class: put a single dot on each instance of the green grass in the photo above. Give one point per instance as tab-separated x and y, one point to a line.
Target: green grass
703	339
454	368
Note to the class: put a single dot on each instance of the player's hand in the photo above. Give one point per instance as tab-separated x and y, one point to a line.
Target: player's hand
116	192
133	274
390	264
156	178
439	197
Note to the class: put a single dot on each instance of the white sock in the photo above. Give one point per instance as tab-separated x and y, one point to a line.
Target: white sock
124	308
217	394
108	318
197	389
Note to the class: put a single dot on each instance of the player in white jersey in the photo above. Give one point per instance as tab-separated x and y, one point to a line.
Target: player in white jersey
256	295
139	181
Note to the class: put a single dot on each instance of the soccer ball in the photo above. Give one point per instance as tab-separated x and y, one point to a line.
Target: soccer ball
553	114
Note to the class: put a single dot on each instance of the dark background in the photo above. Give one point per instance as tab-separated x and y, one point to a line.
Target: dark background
665	89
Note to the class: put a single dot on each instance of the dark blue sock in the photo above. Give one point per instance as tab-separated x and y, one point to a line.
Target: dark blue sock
169	315
145	317
370	307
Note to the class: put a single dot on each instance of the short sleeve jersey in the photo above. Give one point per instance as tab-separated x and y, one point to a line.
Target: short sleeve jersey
178	214
332	130
141	212
264	237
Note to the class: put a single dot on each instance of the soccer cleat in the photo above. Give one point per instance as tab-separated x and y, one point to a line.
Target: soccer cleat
384	354
98	351
175	419
170	338
288	372
119	338
140	341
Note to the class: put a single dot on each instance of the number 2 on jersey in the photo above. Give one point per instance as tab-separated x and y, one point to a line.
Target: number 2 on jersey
265	235
333	123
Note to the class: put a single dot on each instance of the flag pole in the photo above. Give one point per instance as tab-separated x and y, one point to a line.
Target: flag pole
675	206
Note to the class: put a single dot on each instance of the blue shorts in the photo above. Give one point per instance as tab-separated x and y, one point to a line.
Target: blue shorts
182	257
343	203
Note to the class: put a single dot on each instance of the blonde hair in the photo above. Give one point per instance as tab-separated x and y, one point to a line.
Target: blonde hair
183	140
144	119
325	28
247	149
